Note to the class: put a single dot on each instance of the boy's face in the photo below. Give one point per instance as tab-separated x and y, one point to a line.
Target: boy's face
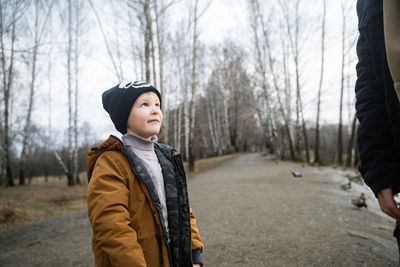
145	117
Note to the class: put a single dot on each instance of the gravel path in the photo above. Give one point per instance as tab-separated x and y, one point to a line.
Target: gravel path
251	212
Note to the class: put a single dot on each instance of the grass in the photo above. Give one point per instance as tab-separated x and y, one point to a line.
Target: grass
40	200
202	165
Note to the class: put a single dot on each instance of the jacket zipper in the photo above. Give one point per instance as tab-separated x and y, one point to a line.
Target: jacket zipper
160	246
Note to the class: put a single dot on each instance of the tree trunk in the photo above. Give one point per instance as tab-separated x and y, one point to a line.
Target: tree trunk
70	101
295	47
350	145
340	125
147	39
164	127
317	159
69	175
77	33
26	131
8	75
193	99
294	44
210	124
269	124
356	152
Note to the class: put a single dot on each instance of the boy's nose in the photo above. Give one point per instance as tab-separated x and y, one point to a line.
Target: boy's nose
155	110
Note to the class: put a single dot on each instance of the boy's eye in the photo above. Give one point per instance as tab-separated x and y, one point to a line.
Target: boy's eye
144	104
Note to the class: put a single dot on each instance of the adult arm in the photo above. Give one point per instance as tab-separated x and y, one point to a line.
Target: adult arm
379	160
108	198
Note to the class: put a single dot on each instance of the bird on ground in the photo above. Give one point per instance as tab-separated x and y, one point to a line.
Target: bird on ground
346	187
360	202
356	179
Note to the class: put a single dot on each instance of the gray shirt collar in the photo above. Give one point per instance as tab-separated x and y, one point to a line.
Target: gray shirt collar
138	142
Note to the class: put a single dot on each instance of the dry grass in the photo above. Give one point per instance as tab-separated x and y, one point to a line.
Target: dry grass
203	165
40	200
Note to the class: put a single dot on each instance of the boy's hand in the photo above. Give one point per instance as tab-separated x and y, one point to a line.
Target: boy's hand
196	265
387	203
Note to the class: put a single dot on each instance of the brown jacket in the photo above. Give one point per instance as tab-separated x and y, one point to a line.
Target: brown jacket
126	227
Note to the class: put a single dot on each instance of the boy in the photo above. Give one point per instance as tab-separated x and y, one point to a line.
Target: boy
137	196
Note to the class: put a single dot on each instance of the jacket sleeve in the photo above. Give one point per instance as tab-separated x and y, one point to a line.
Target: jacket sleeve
379	162
197	243
108	197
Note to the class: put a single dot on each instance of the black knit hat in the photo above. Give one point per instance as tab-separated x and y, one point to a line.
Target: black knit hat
118	101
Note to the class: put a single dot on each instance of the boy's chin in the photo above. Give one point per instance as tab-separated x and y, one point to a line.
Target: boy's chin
154	133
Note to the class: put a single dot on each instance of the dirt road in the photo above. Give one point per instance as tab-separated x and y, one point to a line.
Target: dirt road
251	212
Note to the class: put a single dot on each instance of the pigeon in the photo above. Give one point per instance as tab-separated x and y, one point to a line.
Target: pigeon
296	174
346	187
356	179
360	202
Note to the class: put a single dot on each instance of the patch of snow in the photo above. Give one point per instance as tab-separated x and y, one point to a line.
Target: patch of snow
340	177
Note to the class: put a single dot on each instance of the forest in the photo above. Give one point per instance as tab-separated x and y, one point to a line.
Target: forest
280	81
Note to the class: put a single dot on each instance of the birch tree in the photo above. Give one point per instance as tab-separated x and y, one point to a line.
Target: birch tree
271	61
70	160
10	14
160	44
75	25
294	44
41	15
261	59
192	112
317	141
346	47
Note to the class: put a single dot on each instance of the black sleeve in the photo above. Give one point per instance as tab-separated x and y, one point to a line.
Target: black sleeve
196	257
379	159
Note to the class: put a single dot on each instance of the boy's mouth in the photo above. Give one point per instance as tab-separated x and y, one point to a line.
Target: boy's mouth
154	120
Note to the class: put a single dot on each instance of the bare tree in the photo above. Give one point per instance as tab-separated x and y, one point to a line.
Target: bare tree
261	59
255	7
192	112
346	8
41	15
294	44
79	7
69	174
160	44
10	14
147	38
182	55
193	99
74	26
317	141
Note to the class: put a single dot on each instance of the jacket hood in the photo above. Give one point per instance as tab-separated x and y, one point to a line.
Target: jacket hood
112	143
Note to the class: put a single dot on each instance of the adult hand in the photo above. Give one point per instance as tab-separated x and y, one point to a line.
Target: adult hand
387	203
